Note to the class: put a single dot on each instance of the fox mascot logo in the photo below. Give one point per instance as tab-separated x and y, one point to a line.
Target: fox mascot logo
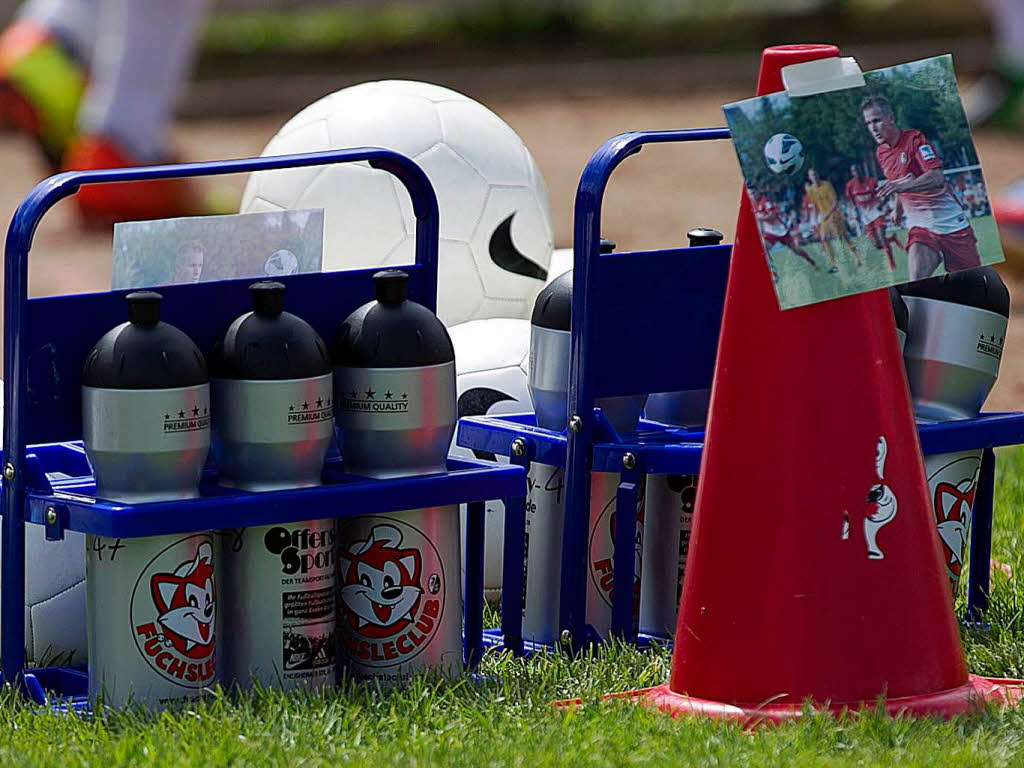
185	602
953	502
380	589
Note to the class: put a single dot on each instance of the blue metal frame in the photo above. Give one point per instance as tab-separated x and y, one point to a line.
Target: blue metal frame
45	407
613	314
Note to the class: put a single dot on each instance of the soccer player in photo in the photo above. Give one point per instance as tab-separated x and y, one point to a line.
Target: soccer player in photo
939	230
808	219
776	231
832	224
862	190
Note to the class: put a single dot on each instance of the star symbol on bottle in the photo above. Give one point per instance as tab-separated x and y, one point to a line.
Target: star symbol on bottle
319	402
181	414
405	396
305	406
195	410
388	395
353	395
291	408
369	394
167	415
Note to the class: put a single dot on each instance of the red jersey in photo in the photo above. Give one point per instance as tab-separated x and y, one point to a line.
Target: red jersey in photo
768	217
936	210
862	193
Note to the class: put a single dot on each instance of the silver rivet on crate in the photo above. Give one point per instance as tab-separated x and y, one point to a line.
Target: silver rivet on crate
575	424
519	447
51	516
9	471
628	461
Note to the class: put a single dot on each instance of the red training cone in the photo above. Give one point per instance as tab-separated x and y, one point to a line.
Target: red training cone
814	569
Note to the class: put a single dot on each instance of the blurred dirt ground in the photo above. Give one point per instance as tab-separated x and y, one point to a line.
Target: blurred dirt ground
653	199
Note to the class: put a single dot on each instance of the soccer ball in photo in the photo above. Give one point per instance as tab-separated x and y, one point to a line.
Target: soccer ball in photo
496	237
491	359
784	153
281	263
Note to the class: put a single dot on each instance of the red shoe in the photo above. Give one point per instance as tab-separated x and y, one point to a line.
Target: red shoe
103	204
41	87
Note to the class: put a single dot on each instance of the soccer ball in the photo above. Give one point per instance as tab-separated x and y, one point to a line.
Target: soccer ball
561	262
784	153
54	594
496	237
491	359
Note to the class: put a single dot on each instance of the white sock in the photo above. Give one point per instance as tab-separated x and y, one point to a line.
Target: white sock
143	54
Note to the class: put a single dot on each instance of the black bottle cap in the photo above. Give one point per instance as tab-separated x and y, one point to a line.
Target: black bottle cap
144	353
553	307
981	288
704	236
899	310
269	344
267	298
144	307
392	331
389	286
606	245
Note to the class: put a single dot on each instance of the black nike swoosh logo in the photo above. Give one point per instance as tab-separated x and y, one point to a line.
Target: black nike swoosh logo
477	402
505	254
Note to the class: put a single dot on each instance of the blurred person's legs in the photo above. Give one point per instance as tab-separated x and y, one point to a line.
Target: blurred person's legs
141	60
997	98
137	54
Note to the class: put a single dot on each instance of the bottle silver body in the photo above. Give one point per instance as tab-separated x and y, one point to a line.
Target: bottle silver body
668	520
952	355
668	517
279	579
542	553
545	514
151	615
399	575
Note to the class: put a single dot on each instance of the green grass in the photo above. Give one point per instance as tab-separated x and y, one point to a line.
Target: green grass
504	718
802	285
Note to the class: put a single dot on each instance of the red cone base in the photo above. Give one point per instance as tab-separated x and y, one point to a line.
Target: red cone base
968	698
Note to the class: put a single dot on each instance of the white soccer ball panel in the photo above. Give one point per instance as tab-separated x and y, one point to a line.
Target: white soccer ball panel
285	186
259	205
459	185
383	117
561	262
54	593
490	345
58	626
362	217
500	159
457	269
